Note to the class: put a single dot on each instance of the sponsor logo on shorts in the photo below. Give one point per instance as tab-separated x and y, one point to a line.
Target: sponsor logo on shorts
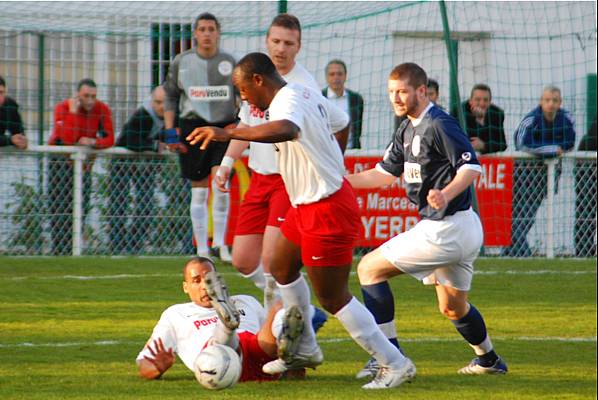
280	219
209	93
316	258
466	156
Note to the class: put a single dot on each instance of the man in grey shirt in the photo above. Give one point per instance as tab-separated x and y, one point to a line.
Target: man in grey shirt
199	81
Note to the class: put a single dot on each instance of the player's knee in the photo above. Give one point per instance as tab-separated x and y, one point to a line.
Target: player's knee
449	311
366	271
243	266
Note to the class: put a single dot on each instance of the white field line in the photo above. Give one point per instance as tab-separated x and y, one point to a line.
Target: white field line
326	340
141	276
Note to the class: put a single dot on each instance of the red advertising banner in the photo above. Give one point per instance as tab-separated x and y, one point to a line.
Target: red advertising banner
386	212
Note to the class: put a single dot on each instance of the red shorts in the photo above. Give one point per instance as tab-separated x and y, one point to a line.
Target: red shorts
254	359
266	202
325	230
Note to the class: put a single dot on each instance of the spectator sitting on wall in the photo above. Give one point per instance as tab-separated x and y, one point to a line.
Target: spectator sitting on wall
10	120
484	121
545	132
347	100
81	120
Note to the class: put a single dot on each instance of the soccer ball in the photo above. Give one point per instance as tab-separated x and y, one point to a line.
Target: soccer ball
217	367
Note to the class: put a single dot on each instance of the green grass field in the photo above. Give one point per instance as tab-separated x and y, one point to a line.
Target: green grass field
71	329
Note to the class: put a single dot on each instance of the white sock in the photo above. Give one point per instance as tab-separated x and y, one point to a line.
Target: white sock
389	329
199	218
223	335
257	277
297	294
220	204
483	348
362	327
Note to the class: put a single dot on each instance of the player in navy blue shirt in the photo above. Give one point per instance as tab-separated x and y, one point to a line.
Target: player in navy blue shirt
438	165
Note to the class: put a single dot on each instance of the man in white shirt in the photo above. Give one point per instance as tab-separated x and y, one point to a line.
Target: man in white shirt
347	100
266	201
212	317
320	229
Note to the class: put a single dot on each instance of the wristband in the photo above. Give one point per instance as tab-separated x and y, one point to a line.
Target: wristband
227	162
171	136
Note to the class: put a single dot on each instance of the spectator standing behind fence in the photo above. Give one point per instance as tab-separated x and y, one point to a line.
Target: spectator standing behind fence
10	120
433	93
81	120
141	133
347	100
484	121
545	132
585	198
200	81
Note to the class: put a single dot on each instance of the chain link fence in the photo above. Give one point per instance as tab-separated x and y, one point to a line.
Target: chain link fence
116	202
124	204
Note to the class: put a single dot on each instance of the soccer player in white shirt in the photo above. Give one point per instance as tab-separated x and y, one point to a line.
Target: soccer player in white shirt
439	165
186	329
266	201
320	229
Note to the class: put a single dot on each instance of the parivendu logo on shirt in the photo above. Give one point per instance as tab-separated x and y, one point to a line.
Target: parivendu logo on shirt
209	93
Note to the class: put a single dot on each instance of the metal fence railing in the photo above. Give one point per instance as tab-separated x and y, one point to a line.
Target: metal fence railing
70	200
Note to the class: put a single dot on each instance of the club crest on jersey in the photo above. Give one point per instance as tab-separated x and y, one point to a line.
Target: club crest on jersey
225	68
415	145
466	156
412	173
209	93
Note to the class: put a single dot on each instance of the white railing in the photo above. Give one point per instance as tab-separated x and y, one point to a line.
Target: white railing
79	154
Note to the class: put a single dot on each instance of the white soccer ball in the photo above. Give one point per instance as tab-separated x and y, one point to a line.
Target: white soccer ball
217	367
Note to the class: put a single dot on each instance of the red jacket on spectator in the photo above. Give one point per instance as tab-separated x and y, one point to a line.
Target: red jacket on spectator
69	127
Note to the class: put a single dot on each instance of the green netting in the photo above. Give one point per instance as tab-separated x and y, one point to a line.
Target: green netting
515	47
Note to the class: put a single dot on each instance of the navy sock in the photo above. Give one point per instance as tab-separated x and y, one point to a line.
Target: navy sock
380	302
473	329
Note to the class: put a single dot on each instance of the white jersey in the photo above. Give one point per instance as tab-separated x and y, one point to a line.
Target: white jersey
187	328
312	165
262	156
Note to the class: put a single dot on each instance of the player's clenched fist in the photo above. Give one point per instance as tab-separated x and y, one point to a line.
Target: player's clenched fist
206	134
436	199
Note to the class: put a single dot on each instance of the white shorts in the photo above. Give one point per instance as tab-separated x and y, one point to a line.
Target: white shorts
439	252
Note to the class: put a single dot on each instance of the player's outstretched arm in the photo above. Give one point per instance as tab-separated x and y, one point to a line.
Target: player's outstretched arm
161	360
372	178
271	132
233	152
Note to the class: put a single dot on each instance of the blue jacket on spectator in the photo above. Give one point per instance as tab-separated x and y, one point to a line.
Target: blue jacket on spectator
538	136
